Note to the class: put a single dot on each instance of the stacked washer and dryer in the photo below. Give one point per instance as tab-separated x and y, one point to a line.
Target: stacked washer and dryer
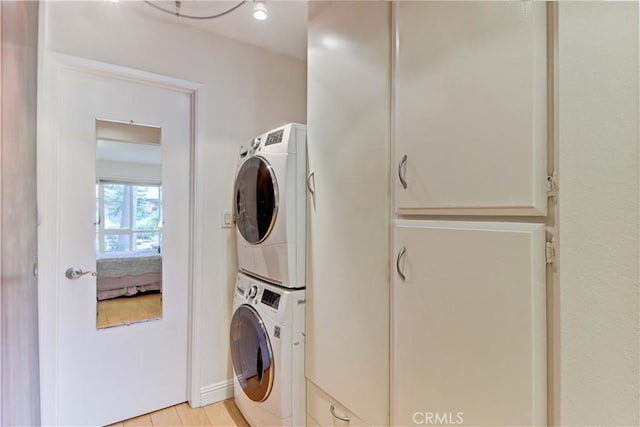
267	328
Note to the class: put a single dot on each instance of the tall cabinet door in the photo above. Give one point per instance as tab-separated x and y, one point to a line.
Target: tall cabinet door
470	108
469	323
347	327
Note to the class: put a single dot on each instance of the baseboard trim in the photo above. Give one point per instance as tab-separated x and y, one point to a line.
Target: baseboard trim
216	392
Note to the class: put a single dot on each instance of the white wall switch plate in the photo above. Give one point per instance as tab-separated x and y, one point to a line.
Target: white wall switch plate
226	219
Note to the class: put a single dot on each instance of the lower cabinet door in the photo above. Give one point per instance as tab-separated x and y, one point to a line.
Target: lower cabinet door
324	410
468	324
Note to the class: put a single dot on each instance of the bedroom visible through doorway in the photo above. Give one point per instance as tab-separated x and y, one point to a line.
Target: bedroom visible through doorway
129	218
127	310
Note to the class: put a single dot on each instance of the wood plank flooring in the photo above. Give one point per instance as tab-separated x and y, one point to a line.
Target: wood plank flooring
224	413
125	310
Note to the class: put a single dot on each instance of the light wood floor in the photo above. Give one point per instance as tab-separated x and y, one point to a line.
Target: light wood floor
224	413
125	310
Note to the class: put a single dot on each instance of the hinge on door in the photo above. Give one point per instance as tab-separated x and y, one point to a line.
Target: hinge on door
552	186
550	251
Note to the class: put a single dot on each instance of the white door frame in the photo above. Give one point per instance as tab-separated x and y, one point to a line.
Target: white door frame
1	99
48	151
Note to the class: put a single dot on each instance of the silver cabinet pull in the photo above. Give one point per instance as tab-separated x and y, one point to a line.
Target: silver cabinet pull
74	273
333	412
401	169
398	269
311	190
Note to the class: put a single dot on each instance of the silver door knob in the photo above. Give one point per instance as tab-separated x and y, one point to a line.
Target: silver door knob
73	273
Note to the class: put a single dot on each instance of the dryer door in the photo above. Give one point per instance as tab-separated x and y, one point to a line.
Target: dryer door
256	199
251	353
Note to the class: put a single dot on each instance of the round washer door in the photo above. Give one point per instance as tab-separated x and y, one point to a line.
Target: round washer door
256	199
251	353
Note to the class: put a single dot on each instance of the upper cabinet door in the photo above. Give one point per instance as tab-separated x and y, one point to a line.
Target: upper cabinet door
471	108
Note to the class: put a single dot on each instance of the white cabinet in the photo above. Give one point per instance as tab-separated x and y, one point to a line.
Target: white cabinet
323	410
470	114
468	327
470	108
470	138
347	323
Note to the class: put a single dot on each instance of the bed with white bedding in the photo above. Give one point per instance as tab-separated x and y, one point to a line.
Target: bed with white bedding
127	273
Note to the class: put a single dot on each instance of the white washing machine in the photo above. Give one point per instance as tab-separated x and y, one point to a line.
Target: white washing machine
267	350
270	206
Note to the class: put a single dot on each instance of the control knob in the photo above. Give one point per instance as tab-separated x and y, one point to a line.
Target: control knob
253	291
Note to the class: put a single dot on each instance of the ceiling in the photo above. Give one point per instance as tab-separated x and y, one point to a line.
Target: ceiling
285	30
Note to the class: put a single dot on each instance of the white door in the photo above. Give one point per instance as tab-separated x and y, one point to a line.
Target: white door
470	108
468	324
93	376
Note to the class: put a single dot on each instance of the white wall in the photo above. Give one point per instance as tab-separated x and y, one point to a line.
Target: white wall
19	333
599	214
245	91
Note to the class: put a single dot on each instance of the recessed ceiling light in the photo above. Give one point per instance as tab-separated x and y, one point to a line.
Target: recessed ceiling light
259	10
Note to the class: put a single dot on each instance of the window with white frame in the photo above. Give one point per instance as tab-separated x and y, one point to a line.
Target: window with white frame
129	217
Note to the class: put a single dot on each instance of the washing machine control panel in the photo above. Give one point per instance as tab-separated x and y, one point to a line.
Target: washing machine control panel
253	291
272	299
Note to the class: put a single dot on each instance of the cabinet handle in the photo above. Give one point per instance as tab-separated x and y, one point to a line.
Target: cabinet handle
311	190
332	409
398	269
402	169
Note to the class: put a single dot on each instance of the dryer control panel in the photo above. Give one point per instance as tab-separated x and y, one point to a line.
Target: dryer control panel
274	137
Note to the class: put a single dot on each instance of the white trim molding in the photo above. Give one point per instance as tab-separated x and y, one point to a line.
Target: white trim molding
1	335
124	73
218	392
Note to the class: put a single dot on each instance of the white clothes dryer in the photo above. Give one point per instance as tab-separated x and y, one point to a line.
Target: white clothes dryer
267	350
270	206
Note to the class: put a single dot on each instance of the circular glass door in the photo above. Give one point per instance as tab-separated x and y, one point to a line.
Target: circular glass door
251	353
256	199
